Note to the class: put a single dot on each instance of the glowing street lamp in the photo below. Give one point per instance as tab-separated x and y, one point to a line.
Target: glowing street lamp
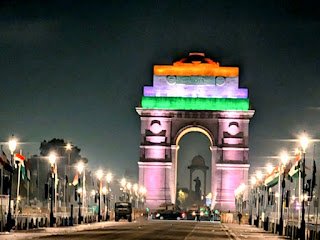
284	159
123	182
269	169
68	146
304	144
80	167
259	176
143	190
12	145
109	177
253	180
99	174
52	159
304	141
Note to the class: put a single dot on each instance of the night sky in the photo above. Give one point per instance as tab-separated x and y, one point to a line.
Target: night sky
76	69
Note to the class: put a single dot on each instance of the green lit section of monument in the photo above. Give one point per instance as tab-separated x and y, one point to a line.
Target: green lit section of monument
180	103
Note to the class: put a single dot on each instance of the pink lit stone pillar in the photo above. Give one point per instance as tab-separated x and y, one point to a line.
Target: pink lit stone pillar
155	177
213	150
232	175
173	175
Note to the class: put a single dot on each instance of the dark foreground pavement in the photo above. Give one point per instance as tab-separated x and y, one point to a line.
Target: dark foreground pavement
145	230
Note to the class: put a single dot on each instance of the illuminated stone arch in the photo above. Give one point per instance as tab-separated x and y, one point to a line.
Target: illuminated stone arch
183	131
195	94
192	128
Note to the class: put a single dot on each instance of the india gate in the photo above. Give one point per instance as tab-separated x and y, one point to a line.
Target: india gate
194	94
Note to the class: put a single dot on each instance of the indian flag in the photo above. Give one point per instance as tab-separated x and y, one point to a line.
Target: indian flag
20	159
294	170
272	178
75	180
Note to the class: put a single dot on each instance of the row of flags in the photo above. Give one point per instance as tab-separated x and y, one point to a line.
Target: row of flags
19	159
292	172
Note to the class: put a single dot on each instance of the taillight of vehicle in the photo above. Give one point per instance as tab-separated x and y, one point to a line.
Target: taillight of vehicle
183	215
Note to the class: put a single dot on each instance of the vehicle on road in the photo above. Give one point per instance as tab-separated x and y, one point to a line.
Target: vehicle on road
123	210
168	214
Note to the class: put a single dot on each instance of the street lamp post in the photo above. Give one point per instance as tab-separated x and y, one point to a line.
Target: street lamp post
238	193
129	191
259	177
143	192
123	185
99	176
68	148
108	178
253	181
284	160
52	160
135	189
304	144
79	191
104	192
12	148
270	169
251	207
80	168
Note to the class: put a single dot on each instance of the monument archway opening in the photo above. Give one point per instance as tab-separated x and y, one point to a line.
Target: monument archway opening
194	94
193	170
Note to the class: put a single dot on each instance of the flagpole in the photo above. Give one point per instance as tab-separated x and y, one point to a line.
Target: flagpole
38	183
18	189
83	189
314	150
28	181
299	197
317	208
55	189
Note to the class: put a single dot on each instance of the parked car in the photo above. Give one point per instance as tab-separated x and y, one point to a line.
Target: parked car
168	214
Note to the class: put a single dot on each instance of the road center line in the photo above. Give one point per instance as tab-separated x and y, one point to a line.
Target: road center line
194	228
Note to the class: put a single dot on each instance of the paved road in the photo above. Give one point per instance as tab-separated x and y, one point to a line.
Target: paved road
151	230
174	230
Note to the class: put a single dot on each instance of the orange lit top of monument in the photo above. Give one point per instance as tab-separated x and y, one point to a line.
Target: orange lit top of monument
198	65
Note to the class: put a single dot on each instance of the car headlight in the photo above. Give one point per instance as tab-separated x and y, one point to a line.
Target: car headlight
158	215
